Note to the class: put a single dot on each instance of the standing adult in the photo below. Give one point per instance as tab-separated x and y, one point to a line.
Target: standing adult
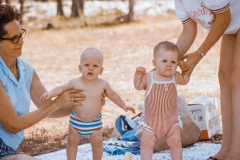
222	18
19	84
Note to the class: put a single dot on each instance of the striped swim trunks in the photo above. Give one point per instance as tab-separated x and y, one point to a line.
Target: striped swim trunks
5	150
85	128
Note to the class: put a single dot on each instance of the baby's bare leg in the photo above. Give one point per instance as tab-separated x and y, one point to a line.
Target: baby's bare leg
148	140
72	143
173	140
96	141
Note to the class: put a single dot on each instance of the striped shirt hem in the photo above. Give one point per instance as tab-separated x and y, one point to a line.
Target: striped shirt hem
221	9
186	21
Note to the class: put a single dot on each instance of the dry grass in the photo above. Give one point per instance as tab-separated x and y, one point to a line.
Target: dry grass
55	56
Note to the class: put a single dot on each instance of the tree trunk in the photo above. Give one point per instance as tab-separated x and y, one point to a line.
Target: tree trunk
77	8
21	5
21	8
131	11
60	8
81	7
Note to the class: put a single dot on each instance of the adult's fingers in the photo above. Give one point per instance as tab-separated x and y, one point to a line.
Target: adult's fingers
184	57
104	94
103	98
77	94
190	72
76	97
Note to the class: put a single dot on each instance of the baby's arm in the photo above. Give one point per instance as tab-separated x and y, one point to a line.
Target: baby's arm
181	78
140	78
113	96
56	91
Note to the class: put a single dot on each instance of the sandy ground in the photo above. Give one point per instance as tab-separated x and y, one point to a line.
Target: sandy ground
55	56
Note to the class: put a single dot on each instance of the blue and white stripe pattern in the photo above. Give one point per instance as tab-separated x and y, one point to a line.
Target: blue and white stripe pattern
85	128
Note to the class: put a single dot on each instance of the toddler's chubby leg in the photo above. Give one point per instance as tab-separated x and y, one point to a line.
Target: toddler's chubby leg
148	140
72	143
96	141
173	140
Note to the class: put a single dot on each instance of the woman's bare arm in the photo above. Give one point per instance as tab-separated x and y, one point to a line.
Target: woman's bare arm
14	123
65	101
219	26
187	37
61	106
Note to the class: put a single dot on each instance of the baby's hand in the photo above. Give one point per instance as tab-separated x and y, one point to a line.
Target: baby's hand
129	108
45	96
141	70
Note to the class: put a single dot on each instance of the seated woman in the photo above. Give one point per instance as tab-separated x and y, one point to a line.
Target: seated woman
19	84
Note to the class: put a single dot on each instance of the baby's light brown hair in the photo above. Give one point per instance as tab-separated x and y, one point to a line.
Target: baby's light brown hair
165	45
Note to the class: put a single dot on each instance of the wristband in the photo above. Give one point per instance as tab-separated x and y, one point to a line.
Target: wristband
201	53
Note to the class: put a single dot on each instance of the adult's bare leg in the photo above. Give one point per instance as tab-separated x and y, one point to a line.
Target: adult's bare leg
19	157
234	153
224	74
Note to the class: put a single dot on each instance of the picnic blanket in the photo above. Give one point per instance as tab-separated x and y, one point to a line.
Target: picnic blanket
198	151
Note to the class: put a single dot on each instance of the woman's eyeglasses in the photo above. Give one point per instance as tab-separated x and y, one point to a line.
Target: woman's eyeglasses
16	38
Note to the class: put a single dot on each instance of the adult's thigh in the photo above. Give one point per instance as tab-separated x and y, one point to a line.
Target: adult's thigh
226	56
19	157
236	59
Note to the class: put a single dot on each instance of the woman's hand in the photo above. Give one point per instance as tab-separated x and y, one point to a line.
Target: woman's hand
70	98
66	101
192	60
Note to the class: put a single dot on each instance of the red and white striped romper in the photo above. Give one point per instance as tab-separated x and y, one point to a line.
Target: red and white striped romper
161	107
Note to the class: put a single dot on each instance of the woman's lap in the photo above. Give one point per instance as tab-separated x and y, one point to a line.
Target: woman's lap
5	150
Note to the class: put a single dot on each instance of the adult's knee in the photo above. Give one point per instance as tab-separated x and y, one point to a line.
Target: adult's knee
223	76
234	80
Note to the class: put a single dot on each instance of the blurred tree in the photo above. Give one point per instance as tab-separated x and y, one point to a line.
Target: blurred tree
60	8
21	5
131	11
21	8
130	16
77	8
6	1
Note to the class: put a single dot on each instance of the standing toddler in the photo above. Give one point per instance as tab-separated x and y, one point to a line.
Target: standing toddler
85	120
161	119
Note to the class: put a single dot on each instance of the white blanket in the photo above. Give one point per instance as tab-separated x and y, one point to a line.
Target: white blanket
199	151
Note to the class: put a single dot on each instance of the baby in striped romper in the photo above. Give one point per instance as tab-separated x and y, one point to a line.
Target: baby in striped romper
86	120
161	119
